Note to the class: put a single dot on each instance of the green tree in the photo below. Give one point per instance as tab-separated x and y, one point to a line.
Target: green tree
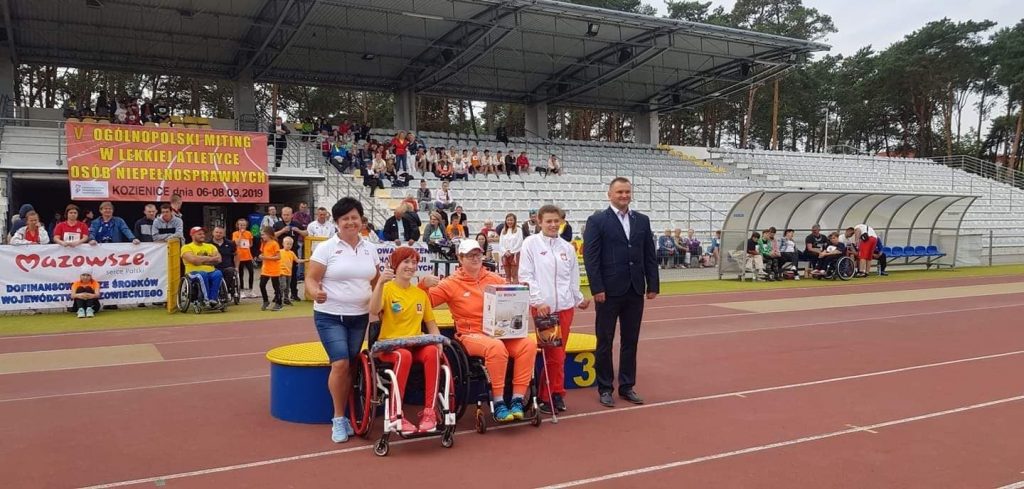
1008	56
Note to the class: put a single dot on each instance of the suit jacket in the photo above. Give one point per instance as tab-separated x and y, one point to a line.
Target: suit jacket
391	232
617	264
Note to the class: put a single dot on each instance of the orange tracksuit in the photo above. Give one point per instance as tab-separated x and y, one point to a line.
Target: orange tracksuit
465	298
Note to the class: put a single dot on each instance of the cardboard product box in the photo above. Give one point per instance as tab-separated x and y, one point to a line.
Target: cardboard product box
506	311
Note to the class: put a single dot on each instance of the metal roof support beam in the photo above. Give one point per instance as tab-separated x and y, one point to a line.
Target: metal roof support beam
648	128
271	38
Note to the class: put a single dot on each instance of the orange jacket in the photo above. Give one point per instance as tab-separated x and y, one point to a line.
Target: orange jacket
465	298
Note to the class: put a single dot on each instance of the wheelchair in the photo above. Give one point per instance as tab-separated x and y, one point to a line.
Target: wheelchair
375	385
190	296
842	269
234	291
473	383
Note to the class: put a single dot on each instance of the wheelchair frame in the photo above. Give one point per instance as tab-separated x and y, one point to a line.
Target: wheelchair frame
832	271
192	301
383	389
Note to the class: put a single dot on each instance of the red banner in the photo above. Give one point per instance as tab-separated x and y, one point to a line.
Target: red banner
138	163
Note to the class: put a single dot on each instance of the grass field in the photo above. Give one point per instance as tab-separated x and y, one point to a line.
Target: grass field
150	317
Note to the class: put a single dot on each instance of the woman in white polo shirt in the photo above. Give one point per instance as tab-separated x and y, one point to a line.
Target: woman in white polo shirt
340	276
548	265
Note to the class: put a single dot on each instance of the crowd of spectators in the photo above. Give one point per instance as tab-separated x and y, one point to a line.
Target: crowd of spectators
126	109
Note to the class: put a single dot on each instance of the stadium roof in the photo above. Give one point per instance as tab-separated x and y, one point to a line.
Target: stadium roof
525	51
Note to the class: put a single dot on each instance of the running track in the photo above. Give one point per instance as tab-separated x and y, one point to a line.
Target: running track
913	394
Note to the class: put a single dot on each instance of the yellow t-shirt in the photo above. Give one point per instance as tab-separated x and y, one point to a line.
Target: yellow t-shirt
413	307
205	249
287	259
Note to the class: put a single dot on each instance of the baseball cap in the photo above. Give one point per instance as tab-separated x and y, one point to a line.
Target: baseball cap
468	245
193	231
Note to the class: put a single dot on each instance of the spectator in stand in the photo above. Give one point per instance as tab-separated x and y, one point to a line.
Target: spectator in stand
279	139
511	243
32	232
444	169
307	128
303	216
322	227
161	112
339	157
754	254
434	231
455	229
832	252
103	106
532	226
413	217
498	164
368	232
243	259
415	145
289	263
110	228
85	294
788	252
270	255
510	164
345	128
475	162
400	145
176	206
487	164
554	166
488	227
134	115
523	163
143	228
228	264
270	220
444	198
326	143
408	232
72	232
200	260
168	226
668	253
814	244
462	218
549	267
375	176
364	131
18	221
148	110
423	196
410	200
682	246
422	162
289	228
460	165
70	107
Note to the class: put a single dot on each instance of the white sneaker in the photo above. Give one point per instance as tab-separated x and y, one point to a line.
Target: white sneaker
81	313
89	312
796	277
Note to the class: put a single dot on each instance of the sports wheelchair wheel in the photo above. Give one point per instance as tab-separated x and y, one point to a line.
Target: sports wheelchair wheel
236	291
361	407
845	268
459	363
185	293
382	447
223	296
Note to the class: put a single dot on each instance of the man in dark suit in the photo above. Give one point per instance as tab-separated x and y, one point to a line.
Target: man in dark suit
622	266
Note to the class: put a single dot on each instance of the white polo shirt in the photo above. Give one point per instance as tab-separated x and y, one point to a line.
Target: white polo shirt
347	276
324	230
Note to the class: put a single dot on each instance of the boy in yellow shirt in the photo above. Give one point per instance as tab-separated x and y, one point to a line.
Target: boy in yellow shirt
288	257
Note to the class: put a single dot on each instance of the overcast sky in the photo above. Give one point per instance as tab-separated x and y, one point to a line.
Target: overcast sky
883	22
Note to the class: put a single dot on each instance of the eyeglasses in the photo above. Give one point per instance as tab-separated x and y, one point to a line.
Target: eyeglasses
474	256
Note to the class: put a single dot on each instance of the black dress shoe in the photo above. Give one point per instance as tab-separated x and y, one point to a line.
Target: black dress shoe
545	407
606	399
632	397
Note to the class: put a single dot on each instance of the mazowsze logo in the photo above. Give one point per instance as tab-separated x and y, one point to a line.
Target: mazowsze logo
30	262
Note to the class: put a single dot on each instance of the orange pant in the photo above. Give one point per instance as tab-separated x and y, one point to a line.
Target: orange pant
554	357
496	354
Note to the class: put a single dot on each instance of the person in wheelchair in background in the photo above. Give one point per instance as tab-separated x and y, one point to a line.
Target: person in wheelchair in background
463	291
200	259
228	262
829	256
403	310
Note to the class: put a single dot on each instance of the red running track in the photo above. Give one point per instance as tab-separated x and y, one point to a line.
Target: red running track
735	399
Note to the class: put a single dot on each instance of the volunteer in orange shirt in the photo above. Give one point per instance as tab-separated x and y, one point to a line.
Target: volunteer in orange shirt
243	256
463	291
288	258
270	254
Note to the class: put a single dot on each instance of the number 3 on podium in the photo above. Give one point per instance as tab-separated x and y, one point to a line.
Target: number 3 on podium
586	362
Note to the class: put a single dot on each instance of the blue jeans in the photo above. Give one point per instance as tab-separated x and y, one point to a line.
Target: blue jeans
342	336
209	282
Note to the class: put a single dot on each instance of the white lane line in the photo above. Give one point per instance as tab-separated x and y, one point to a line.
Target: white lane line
138	388
821	323
873	432
771	446
146	362
228	468
1015	485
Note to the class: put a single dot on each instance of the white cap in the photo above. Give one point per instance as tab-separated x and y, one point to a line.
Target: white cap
468	245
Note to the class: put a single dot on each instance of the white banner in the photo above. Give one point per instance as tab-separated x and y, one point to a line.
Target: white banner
384	251
40	276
